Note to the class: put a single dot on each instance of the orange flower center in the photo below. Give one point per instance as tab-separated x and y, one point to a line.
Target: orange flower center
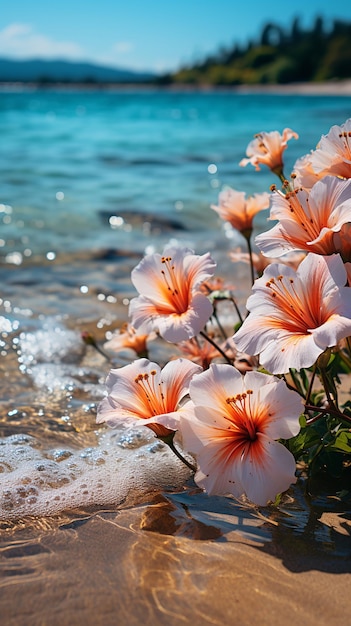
345	137
246	424
152	394
176	286
302	215
154	399
299	313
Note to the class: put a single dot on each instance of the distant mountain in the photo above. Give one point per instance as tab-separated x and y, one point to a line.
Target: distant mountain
45	71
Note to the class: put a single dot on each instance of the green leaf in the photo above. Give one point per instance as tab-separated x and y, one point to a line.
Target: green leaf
305	379
303	420
342	442
307	438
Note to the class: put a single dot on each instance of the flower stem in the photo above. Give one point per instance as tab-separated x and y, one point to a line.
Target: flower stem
315	418
168	439
333	402
252	269
311	385
215	345
233	301
278	171
328	411
297	385
89	340
215	315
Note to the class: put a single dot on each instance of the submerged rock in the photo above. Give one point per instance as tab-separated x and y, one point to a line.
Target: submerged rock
140	219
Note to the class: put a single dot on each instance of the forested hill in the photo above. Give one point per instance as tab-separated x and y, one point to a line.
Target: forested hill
280	55
47	71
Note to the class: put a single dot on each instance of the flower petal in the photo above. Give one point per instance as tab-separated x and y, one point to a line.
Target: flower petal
294	316
283	353
142	391
229	426
271	474
170	300
308	220
176	328
215	384
330	333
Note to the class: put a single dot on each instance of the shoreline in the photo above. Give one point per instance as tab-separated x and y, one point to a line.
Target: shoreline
330	88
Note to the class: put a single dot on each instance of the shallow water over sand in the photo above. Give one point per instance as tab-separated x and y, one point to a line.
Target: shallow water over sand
107	527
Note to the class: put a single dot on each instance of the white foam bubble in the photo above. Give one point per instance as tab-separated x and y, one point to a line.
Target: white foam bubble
53	343
51	356
39	482
37	478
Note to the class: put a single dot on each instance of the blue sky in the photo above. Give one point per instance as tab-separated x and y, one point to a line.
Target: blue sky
155	35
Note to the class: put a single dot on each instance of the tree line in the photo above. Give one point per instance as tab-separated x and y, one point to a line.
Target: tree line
280	55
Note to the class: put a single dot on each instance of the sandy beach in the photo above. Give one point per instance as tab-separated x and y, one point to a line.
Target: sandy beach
332	88
342	87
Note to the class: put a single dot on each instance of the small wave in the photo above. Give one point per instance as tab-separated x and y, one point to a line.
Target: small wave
37	481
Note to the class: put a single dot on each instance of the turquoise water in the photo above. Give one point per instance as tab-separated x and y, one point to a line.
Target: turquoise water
89	181
71	160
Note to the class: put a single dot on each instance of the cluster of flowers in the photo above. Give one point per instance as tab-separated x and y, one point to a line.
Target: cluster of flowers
248	408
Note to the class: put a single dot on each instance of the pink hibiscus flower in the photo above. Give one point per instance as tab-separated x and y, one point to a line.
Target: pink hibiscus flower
295	315
142	391
308	220
268	148
232	427
128	337
238	210
333	153
331	157
171	300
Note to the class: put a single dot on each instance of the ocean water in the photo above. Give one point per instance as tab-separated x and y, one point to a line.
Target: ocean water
71	160
90	180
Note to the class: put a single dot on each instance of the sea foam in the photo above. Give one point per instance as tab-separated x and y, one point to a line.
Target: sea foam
39	476
37	482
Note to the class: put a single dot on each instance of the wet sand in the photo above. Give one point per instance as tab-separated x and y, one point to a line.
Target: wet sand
116	568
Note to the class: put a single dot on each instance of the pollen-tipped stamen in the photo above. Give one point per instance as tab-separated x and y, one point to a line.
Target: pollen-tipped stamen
154	395
242	413
175	290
